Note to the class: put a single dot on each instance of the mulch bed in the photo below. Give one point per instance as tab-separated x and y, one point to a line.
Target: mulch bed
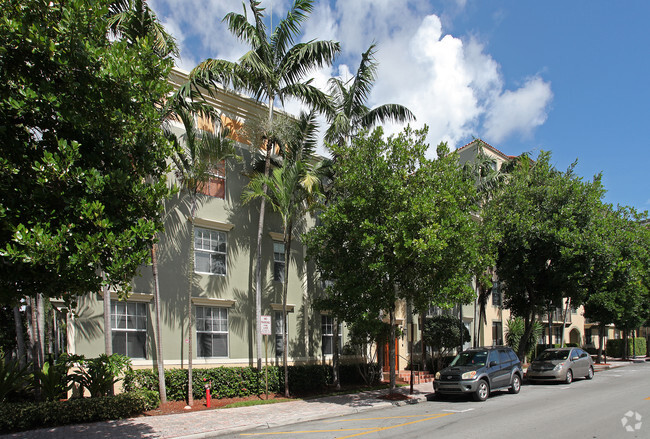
172	407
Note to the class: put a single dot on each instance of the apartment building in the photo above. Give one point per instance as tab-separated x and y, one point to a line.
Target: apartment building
222	285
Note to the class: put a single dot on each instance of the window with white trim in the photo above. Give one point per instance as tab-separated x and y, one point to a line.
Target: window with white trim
129	328
211	331
327	331
279	330
278	261
209	251
497	295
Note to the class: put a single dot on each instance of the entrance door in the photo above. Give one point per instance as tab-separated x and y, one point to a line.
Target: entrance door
386	357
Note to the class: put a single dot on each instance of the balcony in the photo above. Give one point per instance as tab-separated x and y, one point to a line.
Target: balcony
558	317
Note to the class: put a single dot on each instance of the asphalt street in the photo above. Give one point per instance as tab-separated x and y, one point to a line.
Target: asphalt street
615	404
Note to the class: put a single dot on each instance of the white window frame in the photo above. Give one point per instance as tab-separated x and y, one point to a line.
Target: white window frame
216	249
213	326
129	320
327	332
278	261
497	294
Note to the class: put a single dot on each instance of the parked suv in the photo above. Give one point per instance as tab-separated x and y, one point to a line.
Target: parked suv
479	371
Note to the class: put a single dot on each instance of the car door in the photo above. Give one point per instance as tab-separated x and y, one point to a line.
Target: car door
576	365
493	369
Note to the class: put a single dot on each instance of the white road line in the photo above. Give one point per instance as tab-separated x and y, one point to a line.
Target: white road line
458	411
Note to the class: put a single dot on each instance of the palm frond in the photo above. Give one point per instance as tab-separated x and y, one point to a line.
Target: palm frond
386	113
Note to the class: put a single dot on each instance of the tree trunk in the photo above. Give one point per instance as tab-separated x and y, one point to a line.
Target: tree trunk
422	344
162	388
20	337
41	328
391	349
108	340
529	322
566	311
190	351
335	353
285	289
258	248
601	342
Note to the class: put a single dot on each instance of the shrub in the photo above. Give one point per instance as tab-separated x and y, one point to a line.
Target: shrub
13	377
26	416
98	375
636	347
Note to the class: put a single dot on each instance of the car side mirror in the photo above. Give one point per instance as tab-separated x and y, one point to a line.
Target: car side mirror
574	358
493	363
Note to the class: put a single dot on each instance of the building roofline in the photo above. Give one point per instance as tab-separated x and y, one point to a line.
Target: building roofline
488	146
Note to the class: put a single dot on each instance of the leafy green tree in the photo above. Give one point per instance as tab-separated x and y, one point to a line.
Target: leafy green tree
349	113
291	190
543	217
515	329
272	70
617	281
196	155
398	226
83	155
443	333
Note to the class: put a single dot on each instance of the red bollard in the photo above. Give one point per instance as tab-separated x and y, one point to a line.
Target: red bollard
208	398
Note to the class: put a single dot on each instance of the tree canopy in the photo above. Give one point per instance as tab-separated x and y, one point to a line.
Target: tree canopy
543	217
83	156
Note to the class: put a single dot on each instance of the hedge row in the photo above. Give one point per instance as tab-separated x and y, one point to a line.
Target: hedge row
28	416
637	347
229	382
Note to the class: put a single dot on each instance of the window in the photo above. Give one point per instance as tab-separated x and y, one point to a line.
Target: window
209	251
496	294
279	330
327	329
557	333
497	333
278	261
216	184
211	331
129	328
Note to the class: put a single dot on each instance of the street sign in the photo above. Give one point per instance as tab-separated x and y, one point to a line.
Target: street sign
266	325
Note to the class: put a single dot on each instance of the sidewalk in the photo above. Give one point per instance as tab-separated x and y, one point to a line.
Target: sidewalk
209	423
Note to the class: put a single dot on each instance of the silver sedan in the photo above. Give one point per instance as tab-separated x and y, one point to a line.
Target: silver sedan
561	364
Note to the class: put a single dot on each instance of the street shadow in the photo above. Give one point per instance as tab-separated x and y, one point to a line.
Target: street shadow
97	430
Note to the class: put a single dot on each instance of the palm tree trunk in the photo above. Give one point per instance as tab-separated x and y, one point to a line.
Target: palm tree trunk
285	289
41	328
162	389
258	257
20	338
108	341
190	277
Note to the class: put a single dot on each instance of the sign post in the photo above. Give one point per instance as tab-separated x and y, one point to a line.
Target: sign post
266	331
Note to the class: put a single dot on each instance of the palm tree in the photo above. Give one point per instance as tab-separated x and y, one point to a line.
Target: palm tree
273	69
132	19
196	156
349	113
291	190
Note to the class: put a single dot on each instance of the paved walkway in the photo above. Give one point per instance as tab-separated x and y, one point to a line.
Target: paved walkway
208	423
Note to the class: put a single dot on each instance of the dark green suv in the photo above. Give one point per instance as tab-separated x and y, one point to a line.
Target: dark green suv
479	371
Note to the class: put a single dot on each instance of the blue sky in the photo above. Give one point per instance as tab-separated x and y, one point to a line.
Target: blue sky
570	77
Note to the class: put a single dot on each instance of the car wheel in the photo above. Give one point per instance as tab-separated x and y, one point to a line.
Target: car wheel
569	377
516	384
590	374
482	391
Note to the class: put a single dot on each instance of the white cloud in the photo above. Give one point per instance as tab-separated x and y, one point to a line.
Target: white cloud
451	84
519	111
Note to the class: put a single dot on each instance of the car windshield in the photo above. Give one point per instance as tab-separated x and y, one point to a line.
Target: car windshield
470	358
553	355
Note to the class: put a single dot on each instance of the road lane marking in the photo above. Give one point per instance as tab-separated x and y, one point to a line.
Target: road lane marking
458	411
307	431
375	419
647	399
395	426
